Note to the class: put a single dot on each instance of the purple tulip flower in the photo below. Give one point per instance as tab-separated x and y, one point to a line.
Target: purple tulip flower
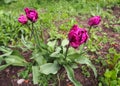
23	19
95	20
77	36
31	14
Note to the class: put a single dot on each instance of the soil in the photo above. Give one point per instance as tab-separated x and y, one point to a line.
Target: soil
9	77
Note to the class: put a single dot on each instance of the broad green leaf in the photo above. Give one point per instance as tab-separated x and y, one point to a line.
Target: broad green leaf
6	51
55	54
71	51
65	42
15	60
74	65
39	58
73	56
49	68
35	72
51	44
71	76
79	52
85	60
2	67
26	44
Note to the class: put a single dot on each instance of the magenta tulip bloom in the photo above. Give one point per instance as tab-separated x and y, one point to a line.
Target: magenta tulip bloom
77	36
31	14
23	19
95	20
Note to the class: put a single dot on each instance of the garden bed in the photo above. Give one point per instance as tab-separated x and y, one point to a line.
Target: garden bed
83	74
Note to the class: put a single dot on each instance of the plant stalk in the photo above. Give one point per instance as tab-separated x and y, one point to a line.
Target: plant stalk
89	31
30	30
35	35
67	50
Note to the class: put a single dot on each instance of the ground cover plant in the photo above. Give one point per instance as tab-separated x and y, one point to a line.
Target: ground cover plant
59	43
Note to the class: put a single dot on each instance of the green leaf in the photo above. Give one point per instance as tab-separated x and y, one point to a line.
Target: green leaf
51	44
35	72
6	51
110	74
9	1
26	44
17	53
71	51
15	60
65	42
117	67
85	60
49	68
112	50
2	67
73	56
24	74
55	54
6	54
1	59
37	56
71	76
81	48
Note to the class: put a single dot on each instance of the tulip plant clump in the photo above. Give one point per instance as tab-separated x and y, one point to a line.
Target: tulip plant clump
53	56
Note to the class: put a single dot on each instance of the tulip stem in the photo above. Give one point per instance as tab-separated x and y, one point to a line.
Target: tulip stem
67	48
33	32
30	30
89	30
35	35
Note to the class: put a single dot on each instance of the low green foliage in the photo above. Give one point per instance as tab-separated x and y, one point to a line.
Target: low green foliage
11	57
111	75
85	72
95	40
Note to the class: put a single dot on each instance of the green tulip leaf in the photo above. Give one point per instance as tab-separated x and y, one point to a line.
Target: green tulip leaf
85	60
71	76
35	72
37	56
49	68
15	60
2	67
65	42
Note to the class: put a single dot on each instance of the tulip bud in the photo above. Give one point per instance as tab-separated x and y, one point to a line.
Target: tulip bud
23	19
95	20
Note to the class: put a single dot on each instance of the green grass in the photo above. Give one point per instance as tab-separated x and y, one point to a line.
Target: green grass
54	15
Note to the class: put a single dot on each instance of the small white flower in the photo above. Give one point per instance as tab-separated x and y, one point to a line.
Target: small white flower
20	81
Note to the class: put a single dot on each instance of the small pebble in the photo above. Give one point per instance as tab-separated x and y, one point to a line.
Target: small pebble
20	81
85	47
67	80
